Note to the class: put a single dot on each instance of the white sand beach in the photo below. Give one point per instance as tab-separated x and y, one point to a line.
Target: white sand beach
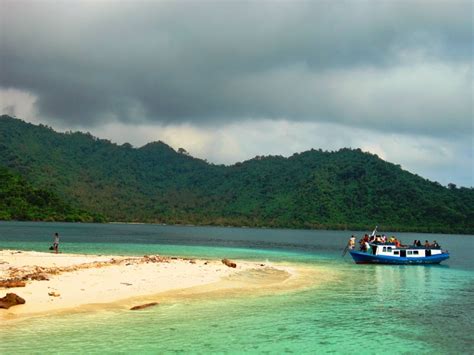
79	282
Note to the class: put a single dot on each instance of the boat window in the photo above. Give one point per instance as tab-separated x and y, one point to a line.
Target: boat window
415	252
384	248
396	252
389	248
409	252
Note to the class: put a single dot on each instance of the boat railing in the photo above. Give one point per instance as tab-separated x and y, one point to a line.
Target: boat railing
403	246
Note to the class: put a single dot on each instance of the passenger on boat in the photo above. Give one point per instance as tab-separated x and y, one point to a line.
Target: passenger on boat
352	242
364	242
397	243
378	239
392	239
384	238
427	244
418	243
435	245
367	246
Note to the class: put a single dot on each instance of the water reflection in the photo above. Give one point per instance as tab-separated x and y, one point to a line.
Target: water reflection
400	281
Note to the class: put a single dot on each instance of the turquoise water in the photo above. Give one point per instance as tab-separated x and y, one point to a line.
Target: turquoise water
368	309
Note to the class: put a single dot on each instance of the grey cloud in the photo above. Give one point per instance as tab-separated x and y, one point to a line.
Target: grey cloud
217	62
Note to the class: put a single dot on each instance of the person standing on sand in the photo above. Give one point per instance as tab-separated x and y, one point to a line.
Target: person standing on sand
56	243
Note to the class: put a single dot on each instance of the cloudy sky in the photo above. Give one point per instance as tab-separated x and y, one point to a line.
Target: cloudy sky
228	80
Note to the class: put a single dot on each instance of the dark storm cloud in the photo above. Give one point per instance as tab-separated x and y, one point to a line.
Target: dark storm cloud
393	65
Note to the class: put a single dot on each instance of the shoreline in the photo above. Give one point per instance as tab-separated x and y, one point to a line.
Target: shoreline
68	283
387	229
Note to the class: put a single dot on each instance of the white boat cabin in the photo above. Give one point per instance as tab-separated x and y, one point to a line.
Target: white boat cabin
408	252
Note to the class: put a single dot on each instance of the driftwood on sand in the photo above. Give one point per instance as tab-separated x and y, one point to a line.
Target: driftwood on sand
229	263
12	283
146	305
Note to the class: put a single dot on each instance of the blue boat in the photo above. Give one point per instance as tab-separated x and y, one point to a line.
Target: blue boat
390	253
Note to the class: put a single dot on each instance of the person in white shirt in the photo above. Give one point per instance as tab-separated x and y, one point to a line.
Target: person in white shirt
352	242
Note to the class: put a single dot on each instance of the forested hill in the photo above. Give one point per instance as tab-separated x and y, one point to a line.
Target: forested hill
21	201
315	189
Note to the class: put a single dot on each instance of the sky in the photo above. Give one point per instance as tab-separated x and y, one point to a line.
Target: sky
229	80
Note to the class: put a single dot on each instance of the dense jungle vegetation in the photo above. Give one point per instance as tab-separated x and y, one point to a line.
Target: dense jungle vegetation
346	189
22	202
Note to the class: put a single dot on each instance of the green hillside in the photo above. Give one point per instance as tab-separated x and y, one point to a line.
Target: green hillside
154	183
21	201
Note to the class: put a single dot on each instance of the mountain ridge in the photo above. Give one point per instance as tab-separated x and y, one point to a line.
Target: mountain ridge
154	183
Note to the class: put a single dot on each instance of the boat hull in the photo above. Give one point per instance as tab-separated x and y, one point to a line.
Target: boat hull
365	258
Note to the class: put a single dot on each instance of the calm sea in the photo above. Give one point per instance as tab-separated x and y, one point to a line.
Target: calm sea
370	309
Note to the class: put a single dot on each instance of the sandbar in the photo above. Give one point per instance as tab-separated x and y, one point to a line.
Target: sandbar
76	282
